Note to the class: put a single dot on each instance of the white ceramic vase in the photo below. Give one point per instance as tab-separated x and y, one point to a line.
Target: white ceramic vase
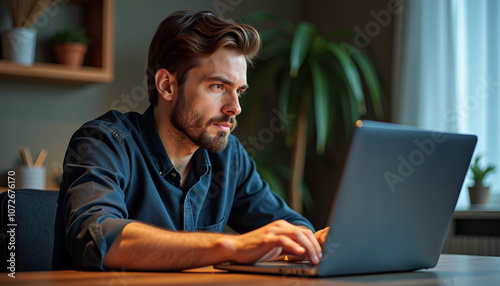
19	44
30	178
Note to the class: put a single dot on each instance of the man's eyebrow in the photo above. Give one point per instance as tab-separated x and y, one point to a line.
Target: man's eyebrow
225	81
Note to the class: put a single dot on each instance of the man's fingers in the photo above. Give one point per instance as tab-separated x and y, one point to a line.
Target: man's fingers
321	235
279	236
316	243
311	245
288	245
303	237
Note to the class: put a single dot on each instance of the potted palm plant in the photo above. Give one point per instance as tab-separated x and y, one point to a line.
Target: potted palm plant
479	192
70	46
319	79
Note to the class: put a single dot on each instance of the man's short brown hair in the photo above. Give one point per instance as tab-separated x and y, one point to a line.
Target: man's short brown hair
184	37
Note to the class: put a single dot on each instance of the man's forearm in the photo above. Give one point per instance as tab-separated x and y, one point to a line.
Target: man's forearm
143	247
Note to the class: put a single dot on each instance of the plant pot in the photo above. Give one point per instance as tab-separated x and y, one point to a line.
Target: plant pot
479	195
19	44
71	54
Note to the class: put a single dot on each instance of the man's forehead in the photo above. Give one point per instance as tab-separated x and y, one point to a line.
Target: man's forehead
225	67
224	59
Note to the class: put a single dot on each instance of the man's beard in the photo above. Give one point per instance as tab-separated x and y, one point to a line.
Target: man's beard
192	125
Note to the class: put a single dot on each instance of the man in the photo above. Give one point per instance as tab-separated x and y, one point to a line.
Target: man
155	191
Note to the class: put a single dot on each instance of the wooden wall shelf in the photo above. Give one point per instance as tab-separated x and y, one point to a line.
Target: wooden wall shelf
55	73
99	64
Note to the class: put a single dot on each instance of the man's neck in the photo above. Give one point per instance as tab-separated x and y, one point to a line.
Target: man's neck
179	147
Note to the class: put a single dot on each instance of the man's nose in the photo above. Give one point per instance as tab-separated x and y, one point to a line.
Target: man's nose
232	105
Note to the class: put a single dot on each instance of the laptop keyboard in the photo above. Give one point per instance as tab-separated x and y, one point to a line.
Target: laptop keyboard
281	263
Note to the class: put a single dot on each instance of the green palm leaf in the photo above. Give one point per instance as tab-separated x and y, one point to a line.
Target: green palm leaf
300	46
320	95
351	74
372	81
309	71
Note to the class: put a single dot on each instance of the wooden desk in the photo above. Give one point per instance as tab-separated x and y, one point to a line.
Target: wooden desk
452	270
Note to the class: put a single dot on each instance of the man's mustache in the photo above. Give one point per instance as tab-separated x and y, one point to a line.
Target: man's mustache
223	119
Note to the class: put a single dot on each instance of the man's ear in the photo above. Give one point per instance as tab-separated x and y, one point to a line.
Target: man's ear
165	84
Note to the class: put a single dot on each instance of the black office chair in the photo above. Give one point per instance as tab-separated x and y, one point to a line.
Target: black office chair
27	222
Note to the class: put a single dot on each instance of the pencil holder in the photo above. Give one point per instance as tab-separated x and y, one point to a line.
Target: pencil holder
30	178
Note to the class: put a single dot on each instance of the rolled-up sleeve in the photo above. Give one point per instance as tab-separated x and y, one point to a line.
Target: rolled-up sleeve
95	177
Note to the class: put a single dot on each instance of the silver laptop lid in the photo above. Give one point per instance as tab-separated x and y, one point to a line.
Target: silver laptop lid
396	199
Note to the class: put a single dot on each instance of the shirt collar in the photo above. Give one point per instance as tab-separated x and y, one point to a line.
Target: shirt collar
158	153
153	143
201	162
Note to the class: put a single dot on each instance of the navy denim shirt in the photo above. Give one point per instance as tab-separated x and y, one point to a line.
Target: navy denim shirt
116	171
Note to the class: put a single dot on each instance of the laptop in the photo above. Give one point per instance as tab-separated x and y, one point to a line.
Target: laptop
393	206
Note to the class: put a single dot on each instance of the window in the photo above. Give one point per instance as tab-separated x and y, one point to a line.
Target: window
447	74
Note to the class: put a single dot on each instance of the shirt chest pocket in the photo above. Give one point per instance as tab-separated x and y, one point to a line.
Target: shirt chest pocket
217	227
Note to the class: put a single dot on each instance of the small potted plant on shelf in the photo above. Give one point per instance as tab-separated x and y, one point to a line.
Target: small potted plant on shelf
70	46
479	193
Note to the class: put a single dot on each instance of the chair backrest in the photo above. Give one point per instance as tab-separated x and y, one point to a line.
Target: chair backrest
27	229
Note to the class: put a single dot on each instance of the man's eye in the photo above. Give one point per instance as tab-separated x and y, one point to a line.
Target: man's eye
218	87
240	92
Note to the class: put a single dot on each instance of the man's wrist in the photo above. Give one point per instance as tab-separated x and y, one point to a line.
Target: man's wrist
225	247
